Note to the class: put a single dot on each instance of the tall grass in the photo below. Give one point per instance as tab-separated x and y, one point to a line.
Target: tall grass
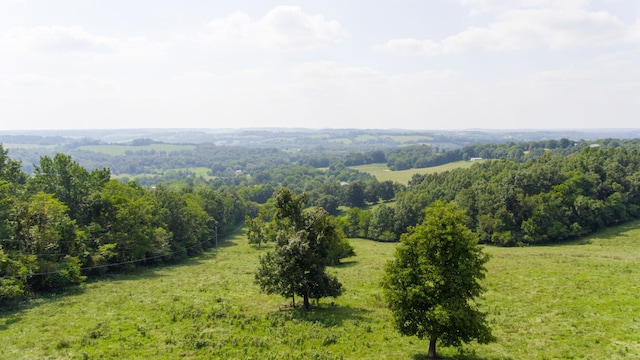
579	300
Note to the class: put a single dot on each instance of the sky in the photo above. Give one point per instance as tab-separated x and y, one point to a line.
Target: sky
404	64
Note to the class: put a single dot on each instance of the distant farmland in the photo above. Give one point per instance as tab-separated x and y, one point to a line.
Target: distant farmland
382	172
116	150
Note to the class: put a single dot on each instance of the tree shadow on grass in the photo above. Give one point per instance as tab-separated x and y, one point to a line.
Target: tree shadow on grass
609	233
346	264
8	318
329	315
423	356
10	310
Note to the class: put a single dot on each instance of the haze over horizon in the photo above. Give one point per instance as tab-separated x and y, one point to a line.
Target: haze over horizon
416	65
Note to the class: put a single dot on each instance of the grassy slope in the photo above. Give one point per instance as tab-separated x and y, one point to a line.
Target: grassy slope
572	301
382	172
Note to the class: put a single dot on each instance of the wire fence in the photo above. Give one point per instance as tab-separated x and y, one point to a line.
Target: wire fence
88	268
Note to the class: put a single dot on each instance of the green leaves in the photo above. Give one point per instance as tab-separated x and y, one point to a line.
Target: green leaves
434	277
312	242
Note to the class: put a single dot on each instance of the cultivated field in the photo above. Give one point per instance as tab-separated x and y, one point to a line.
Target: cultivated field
579	300
382	172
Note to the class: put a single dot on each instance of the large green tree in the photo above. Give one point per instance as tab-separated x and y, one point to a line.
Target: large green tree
433	279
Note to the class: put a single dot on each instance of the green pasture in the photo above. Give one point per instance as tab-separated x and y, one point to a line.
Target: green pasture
197	171
574	301
364	138
26	146
383	173
409	138
116	150
343	141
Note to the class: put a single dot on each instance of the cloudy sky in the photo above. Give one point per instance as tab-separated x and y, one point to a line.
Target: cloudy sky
413	64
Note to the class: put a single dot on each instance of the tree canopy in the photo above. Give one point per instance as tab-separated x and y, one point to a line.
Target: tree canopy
433	279
65	223
310	240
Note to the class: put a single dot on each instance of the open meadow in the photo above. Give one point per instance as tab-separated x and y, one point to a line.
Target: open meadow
197	171
575	301
383	173
118	150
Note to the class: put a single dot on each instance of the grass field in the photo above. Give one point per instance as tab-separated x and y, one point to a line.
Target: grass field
116	150
575	301
382	172
26	146
197	171
410	138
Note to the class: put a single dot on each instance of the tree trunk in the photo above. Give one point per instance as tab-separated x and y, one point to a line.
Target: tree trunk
432	348
293	301
306	305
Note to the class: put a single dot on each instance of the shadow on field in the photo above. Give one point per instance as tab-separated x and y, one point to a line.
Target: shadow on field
326	315
458	357
8	318
346	264
604	234
10	311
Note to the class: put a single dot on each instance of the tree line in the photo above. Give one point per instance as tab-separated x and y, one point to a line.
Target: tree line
64	223
547	199
422	156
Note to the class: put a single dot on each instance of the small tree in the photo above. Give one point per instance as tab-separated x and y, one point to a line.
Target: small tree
298	263
256	230
433	279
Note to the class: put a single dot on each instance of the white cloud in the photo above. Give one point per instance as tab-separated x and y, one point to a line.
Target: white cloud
29	81
328	78
612	72
409	46
485	6
597	93
283	28
75	41
548	28
634	32
330	71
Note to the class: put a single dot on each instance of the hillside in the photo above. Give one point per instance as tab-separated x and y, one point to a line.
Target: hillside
571	301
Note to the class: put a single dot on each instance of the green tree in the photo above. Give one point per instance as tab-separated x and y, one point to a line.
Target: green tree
382	222
256	230
386	190
185	219
298	264
433	279
329	202
354	194
15	267
69	182
43	229
127	223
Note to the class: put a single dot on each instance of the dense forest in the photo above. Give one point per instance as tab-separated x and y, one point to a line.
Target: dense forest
543	200
62	223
